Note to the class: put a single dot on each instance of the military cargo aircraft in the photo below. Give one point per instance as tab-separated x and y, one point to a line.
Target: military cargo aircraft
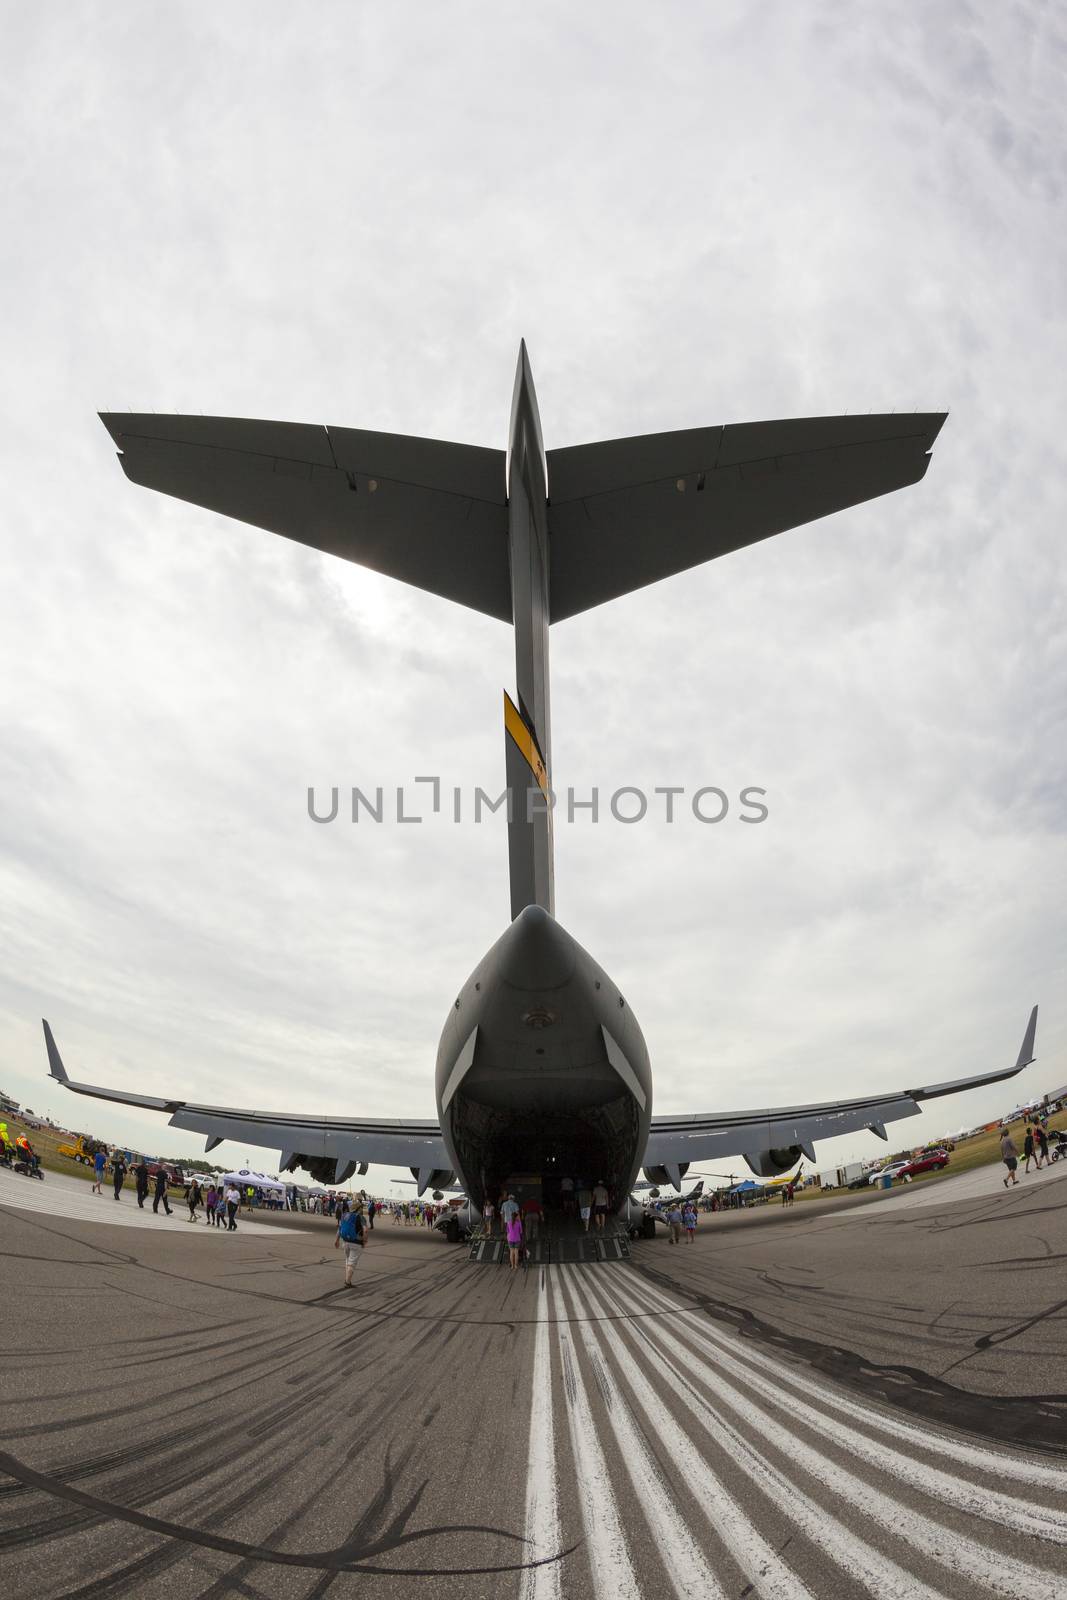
542	1068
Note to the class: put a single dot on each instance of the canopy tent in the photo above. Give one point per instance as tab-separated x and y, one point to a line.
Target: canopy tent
253	1180
746	1186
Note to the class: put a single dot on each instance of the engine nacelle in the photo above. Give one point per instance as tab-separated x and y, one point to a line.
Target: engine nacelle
671	1175
439	1178
772	1163
328	1170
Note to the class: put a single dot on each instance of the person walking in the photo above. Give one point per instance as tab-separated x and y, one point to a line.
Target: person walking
600	1204
372	1211
1041	1137
140	1178
689	1221
488	1217
193	1198
674	1222
531	1218
118	1172
508	1212
160	1192
1028	1147
232	1197
209	1204
352	1236
513	1230
585	1205
1009	1155
99	1163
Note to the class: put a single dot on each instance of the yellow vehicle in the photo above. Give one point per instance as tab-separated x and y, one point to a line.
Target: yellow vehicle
83	1149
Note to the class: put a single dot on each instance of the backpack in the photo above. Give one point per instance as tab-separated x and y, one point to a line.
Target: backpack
351	1229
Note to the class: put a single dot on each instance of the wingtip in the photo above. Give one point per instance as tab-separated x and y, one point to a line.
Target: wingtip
1026	1052
55	1060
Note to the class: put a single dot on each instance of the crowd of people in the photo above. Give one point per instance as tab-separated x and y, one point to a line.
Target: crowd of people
219	1201
18	1149
1036	1148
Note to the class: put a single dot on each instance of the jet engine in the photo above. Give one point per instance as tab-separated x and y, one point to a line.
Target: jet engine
327	1170
439	1178
772	1163
671	1175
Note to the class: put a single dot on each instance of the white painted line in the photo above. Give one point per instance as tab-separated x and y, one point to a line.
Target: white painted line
975	1500
966	1557
544	1531
761	1564
689	1573
609	1561
998	1462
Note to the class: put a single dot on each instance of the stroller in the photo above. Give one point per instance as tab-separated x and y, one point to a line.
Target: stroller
1058	1150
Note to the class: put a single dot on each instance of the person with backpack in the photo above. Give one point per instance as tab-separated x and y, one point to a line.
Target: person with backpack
352	1234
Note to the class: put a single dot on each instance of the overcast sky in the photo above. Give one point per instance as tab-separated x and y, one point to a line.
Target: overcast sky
694	215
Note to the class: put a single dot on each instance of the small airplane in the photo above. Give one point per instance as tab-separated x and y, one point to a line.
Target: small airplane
542	1066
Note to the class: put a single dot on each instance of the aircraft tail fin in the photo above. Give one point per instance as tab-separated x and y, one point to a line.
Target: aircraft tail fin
529	813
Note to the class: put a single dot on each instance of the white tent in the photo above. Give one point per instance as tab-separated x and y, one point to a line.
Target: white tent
253	1180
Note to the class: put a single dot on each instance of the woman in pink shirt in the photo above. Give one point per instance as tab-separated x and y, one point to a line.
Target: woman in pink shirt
514	1240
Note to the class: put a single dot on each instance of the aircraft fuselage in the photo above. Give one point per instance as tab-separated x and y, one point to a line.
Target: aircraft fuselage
542	1067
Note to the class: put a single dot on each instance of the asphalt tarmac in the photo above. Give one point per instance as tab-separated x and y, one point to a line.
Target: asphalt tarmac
820	1402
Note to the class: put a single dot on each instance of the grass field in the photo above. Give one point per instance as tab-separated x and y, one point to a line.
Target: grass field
46	1142
982	1150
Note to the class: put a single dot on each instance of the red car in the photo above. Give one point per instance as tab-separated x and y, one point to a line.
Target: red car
927	1162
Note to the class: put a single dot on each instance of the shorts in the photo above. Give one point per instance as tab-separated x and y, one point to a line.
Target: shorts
601	1211
352	1252
585	1213
1011	1162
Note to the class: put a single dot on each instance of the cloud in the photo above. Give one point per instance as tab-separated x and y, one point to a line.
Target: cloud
693	218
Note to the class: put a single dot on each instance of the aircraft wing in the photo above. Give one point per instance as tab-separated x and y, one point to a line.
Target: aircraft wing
431	513
686	1138
346	1142
626	512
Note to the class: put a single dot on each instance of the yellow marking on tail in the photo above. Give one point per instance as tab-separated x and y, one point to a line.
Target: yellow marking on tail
522	736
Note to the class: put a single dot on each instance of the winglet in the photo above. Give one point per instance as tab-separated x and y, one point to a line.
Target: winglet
55	1060
1026	1053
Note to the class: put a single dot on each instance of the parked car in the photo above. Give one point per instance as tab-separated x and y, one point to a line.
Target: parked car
174	1177
893	1170
929	1161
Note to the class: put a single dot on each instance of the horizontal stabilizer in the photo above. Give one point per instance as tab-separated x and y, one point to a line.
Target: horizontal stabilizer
428	512
627	512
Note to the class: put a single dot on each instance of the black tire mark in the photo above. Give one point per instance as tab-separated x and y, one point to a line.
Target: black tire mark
344	1559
